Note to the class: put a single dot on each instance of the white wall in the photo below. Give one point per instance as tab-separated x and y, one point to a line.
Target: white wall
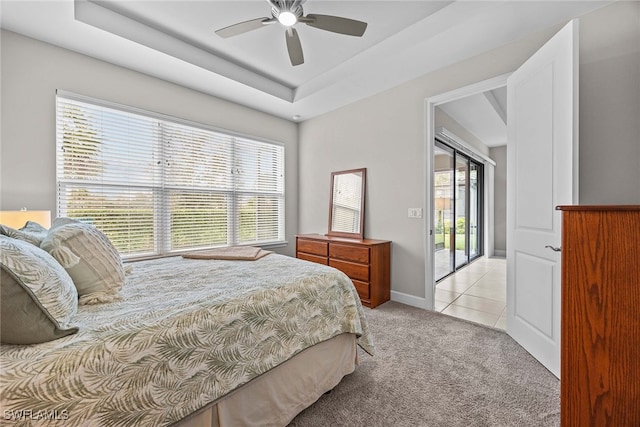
33	70
442	119
386	134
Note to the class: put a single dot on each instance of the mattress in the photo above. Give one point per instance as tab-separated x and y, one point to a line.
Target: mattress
187	333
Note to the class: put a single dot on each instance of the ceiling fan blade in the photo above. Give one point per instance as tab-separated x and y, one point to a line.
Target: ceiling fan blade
336	24
294	46
243	27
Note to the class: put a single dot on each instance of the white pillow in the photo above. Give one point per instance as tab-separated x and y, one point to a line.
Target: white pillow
89	257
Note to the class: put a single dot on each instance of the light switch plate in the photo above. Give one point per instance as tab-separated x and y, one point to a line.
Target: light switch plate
415	212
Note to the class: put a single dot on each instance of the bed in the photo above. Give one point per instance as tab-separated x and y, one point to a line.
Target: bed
194	343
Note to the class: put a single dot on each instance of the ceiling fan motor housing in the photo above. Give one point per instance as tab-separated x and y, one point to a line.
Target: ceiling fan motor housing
279	7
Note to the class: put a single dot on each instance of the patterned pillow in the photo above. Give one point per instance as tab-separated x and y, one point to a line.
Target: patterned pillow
37	298
34	227
89	257
29	233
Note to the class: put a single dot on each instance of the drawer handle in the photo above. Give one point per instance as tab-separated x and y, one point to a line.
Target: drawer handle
553	248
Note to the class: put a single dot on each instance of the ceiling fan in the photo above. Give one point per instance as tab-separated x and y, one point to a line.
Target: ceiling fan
289	13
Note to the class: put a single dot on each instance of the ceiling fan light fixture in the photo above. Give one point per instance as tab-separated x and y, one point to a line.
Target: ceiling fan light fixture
289	13
287	18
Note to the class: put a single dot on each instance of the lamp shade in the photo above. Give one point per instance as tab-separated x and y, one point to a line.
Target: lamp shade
443	203
17	219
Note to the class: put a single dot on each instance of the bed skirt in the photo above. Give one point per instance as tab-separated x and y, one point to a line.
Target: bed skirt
276	397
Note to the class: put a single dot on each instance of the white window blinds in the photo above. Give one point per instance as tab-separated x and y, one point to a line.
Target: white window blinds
156	186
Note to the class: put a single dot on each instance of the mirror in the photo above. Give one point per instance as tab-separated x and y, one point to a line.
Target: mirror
346	205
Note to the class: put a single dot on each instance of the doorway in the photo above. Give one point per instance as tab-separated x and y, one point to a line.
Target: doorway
542	158
468	275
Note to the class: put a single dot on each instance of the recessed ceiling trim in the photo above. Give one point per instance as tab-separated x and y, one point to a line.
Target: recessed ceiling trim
113	22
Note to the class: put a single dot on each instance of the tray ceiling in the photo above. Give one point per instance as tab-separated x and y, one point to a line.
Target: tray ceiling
175	41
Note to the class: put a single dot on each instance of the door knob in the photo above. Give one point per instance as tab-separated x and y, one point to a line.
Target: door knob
553	248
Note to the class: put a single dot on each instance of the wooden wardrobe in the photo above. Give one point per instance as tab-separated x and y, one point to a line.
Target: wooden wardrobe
600	341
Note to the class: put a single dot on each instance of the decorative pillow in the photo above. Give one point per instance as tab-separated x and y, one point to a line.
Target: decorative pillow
37	298
34	227
61	220
89	257
28	233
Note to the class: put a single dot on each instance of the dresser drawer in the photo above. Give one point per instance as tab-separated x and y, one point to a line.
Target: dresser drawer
367	262
354	271
313	258
362	288
313	247
349	253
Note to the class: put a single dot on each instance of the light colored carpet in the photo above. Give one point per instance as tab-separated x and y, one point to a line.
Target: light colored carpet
433	370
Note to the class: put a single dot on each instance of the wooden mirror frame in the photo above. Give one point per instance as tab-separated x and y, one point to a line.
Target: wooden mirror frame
360	233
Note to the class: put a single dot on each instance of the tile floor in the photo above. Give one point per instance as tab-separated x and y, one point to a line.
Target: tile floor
477	293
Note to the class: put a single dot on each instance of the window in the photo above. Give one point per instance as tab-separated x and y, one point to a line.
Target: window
156	185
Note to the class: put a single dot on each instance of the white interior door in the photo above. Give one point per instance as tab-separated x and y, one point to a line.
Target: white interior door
542	133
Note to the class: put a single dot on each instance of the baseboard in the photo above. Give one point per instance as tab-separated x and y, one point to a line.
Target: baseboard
501	254
408	299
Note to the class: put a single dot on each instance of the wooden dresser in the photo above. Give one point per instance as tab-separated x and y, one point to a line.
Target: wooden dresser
367	262
600	346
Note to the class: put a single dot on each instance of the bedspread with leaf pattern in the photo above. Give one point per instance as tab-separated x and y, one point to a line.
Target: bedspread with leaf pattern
187	333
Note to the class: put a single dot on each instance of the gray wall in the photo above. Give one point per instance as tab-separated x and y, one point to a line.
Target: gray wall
610	105
386	134
499	155
31	73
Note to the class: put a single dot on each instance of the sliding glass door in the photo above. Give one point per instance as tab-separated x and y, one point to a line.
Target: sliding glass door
457	209
461	209
475	209
444	190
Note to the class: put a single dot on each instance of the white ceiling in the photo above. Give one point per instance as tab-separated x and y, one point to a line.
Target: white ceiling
175	41
484	115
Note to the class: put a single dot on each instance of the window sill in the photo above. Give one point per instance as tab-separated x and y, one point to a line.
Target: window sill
267	246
